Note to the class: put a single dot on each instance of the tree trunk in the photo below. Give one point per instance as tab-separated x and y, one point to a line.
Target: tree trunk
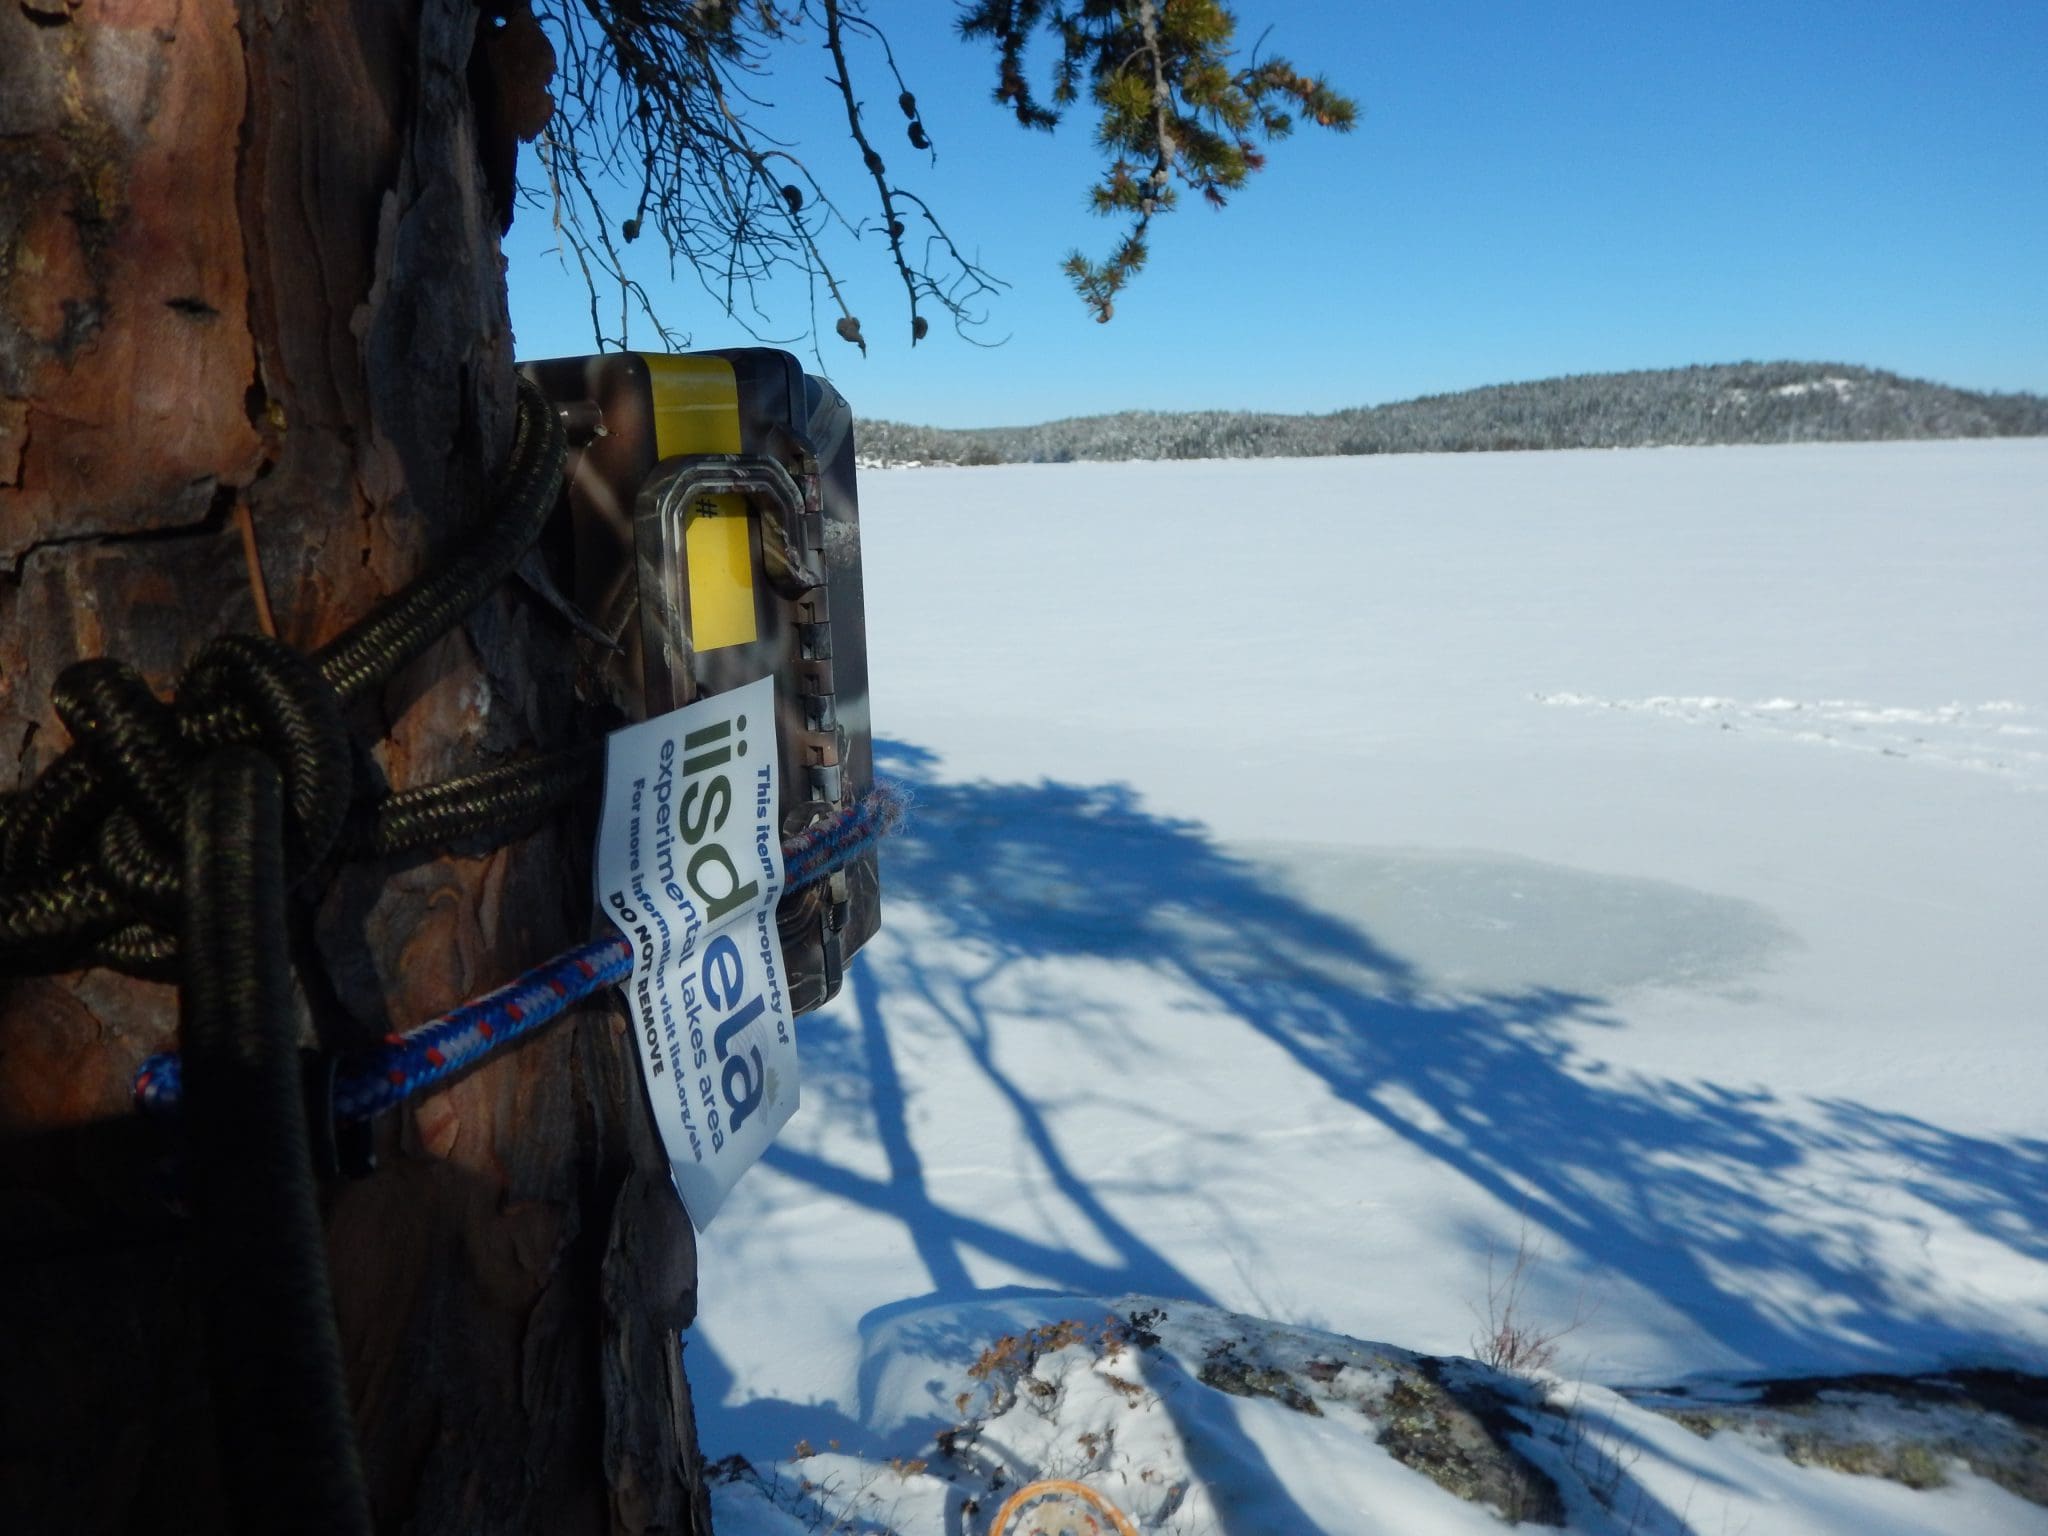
253	341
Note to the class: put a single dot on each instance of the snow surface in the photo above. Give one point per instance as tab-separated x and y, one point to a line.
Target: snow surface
1330	876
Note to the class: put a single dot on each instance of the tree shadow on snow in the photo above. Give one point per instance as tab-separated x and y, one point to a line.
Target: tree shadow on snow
1677	1187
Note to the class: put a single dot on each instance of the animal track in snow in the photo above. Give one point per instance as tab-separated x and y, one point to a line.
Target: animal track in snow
1999	736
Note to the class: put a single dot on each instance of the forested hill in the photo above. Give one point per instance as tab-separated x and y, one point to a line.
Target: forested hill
1724	403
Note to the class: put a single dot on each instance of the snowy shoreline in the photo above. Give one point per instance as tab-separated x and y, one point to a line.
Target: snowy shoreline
1328	876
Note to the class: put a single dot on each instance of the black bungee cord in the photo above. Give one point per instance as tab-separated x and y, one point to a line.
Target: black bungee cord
164	843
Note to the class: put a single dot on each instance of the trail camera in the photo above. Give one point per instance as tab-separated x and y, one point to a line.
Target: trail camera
714	538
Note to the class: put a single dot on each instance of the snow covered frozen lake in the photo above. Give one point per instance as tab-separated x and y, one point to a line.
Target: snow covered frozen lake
1329	877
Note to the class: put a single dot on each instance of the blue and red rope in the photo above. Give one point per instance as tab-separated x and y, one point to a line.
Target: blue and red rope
830	845
368	1084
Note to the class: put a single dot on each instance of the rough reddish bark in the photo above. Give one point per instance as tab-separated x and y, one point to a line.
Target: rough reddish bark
249	275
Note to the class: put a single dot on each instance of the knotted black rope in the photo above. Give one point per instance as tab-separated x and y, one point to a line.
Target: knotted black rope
280	1397
164	842
109	817
89	853
490	802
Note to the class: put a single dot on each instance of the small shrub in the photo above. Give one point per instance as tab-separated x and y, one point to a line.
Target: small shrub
1509	1339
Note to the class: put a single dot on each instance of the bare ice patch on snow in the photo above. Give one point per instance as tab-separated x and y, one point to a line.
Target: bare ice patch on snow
1486	922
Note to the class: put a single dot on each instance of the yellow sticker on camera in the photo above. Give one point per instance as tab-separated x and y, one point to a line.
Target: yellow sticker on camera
697	410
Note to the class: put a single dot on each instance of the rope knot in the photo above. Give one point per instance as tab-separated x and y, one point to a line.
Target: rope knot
92	856
110	816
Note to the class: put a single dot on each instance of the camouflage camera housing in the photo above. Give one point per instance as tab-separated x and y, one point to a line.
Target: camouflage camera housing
713	539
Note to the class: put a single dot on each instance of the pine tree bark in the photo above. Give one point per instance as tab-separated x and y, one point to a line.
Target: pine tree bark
253	342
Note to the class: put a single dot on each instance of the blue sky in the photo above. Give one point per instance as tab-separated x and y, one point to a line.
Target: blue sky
1533	189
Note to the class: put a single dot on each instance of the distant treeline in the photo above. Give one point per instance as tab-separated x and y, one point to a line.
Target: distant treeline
1724	403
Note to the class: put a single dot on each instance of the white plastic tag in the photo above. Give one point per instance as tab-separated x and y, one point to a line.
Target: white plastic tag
689	867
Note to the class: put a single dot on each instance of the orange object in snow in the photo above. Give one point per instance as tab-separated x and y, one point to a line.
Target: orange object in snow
1056	1507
